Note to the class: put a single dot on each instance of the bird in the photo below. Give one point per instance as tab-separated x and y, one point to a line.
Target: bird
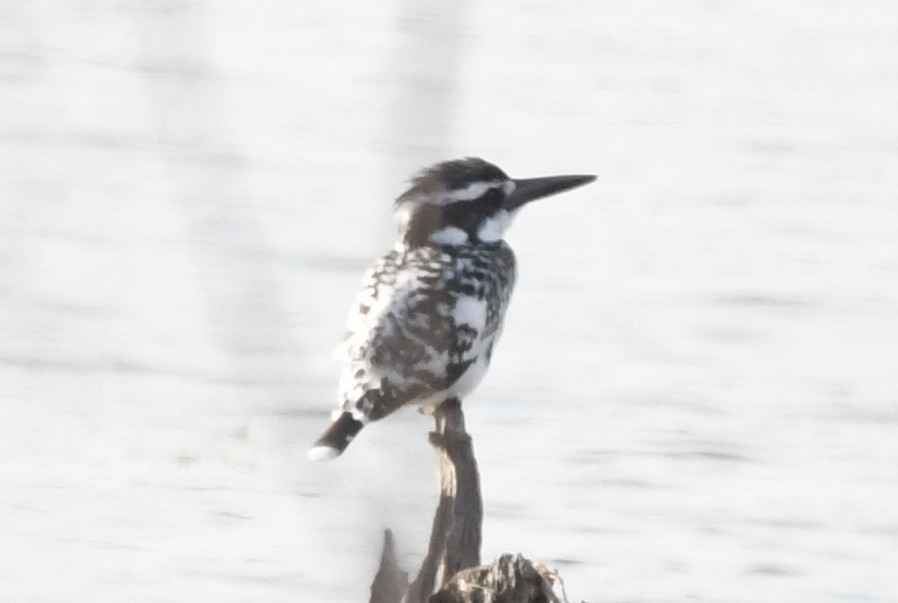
425	323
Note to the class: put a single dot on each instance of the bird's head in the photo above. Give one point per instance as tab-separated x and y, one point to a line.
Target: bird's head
469	200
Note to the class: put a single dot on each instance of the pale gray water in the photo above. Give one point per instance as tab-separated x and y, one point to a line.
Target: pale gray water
695	397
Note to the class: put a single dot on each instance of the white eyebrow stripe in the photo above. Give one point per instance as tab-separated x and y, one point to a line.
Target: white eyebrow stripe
475	190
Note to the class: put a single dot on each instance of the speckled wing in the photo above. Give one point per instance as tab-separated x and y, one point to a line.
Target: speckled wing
423	317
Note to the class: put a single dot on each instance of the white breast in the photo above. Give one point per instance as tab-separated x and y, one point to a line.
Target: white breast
471	378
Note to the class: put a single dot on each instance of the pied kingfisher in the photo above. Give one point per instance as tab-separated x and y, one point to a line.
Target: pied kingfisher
430	311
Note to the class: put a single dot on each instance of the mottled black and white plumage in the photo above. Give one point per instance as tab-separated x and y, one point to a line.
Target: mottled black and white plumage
430	312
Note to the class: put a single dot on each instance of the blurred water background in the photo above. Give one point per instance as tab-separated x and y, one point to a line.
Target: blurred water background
695	397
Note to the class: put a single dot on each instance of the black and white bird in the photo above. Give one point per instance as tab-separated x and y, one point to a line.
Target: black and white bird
430	312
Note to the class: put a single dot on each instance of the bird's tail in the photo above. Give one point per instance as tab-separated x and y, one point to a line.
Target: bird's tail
336	438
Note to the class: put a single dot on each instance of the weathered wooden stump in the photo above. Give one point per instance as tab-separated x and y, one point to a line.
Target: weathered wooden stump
510	579
451	571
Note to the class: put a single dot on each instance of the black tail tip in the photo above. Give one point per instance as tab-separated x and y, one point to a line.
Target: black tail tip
336	438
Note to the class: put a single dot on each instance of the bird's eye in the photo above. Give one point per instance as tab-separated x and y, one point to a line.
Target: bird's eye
492	198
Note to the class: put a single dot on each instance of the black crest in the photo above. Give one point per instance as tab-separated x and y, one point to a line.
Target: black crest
452	175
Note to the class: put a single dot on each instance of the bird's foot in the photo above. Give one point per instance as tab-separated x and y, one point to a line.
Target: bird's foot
444	440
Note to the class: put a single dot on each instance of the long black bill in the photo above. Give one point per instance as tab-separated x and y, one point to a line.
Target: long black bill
530	189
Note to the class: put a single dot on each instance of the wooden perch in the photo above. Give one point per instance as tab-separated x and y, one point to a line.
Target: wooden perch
390	582
455	535
451	571
511	579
